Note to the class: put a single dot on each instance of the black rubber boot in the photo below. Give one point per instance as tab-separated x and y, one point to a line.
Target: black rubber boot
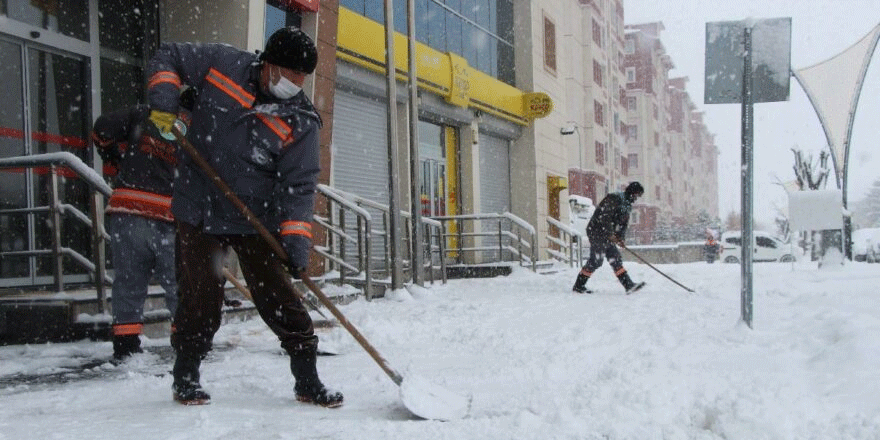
125	346
580	285
308	388
186	388
628	283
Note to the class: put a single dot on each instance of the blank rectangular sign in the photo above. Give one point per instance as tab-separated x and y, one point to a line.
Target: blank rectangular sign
816	210
771	60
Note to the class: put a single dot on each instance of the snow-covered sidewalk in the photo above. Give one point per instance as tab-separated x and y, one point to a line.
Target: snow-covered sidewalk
540	362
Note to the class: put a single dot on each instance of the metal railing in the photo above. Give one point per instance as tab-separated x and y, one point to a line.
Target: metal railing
484	238
566	243
358	248
98	190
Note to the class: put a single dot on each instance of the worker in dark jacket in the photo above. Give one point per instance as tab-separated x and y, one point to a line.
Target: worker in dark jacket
256	127
139	220
606	229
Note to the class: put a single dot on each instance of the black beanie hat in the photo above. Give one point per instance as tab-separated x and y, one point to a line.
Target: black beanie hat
635	188
291	48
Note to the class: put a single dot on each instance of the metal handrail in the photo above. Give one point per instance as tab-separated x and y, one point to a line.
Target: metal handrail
98	188
339	203
513	234
570	243
337	237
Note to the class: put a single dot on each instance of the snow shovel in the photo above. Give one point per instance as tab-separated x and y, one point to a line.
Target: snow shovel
620	243
422	398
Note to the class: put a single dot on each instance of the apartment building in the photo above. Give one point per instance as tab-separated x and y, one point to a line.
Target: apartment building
670	148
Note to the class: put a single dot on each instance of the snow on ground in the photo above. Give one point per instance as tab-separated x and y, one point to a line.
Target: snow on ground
539	361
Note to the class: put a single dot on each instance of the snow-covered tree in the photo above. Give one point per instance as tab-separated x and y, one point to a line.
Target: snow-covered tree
868	209
811	175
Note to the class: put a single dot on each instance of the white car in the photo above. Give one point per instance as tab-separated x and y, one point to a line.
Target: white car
766	248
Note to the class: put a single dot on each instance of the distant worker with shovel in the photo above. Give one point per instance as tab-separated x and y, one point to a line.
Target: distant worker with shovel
606	229
259	131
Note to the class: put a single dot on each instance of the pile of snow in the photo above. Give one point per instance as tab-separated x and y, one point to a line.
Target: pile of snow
539	361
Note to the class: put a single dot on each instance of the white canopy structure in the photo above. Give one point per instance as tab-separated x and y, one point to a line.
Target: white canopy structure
833	87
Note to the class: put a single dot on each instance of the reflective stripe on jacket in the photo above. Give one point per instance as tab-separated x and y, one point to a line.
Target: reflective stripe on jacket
144	162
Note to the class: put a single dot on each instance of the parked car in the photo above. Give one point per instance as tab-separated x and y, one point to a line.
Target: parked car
766	248
866	245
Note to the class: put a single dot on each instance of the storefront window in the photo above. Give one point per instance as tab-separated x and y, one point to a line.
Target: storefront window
479	30
67	17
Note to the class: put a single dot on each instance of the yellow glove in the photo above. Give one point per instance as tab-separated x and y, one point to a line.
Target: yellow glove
162	120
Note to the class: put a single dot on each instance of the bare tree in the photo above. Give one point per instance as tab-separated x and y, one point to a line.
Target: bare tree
808	174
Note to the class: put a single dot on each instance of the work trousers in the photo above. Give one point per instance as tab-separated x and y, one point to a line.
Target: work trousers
140	248
200	279
600	248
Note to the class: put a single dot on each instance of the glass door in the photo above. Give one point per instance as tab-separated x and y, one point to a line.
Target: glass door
14	225
432	157
45	110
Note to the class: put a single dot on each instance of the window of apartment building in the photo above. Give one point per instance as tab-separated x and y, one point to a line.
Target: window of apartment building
657	192
630	74
630	46
634	217
632	132
549	44
597	72
599	113
597	33
624	166
600	153
633	161
631	103
656	111
656	139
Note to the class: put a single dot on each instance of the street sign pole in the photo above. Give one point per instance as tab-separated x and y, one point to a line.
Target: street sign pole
747	175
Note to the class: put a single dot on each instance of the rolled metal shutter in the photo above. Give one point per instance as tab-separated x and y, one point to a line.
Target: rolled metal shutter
494	174
360	160
360	152
494	188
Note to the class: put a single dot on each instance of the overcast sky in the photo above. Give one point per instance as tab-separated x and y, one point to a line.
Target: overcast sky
820	30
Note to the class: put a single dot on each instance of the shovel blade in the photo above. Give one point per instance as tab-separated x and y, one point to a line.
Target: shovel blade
432	402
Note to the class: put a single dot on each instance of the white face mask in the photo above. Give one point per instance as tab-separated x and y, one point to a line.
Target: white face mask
283	88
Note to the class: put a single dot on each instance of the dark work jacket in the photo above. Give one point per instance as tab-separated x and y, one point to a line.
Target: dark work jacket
610	218
140	160
264	148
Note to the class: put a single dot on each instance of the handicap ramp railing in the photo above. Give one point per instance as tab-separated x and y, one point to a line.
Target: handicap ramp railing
59	210
358	241
565	243
476	239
